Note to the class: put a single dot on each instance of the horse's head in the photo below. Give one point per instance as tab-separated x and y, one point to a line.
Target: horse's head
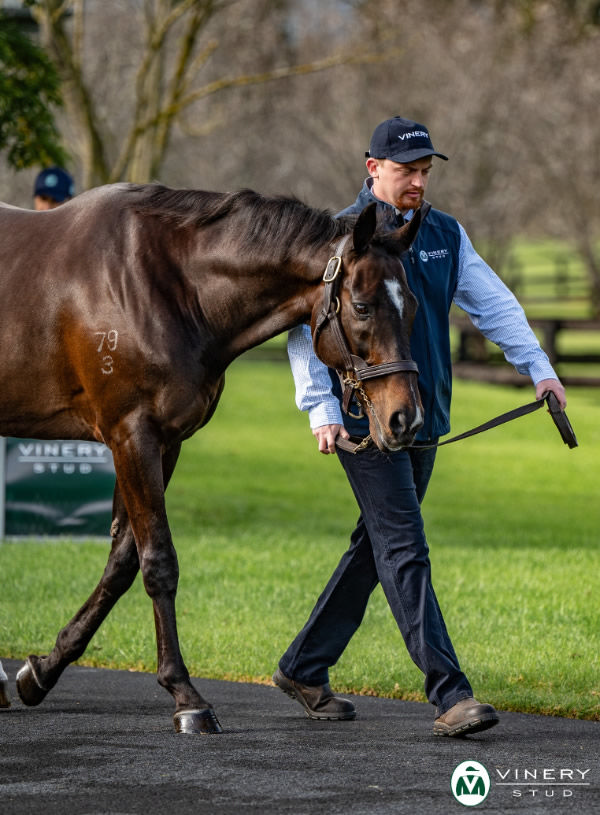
362	328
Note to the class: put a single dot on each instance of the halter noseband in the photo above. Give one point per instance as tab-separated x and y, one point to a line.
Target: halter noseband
356	370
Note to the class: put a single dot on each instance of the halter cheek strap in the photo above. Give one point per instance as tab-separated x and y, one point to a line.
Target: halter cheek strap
355	370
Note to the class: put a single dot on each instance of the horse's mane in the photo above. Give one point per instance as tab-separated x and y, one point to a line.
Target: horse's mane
274	219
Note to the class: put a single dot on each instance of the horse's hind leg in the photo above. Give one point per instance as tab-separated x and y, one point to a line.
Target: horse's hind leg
4	697
40	674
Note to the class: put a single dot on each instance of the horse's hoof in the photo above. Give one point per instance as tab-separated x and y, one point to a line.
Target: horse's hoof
4	697
29	685
197	721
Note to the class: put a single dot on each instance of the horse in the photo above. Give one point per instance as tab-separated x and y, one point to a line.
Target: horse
120	312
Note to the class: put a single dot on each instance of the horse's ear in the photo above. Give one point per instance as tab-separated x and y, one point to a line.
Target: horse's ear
364	228
407	233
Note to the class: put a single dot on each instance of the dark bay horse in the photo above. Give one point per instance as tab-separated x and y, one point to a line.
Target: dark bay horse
120	312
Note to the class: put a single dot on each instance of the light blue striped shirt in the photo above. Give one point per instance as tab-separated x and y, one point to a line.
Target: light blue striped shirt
492	307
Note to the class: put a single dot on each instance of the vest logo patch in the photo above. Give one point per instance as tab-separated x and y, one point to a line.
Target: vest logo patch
435	254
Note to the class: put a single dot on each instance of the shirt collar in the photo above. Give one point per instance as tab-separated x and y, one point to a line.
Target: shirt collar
369	186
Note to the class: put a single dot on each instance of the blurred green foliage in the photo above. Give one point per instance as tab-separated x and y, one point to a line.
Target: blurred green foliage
29	90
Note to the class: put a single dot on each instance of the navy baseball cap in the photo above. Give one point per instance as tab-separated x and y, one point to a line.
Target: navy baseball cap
401	140
54	183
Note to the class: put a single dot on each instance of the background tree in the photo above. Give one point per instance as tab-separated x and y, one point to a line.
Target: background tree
29	89
166	57
563	137
180	91
510	90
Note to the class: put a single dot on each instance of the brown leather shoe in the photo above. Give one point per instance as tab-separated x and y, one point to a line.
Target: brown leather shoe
317	700
466	716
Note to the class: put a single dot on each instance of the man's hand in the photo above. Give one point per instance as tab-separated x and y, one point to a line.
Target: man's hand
551	385
326	436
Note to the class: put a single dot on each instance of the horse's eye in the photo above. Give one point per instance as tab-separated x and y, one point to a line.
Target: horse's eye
361	309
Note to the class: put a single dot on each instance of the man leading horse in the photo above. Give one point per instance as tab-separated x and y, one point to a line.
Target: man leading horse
388	545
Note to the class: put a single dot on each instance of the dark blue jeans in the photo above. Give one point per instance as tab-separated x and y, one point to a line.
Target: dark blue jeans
388	546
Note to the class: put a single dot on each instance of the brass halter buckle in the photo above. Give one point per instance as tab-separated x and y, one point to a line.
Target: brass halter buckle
332	269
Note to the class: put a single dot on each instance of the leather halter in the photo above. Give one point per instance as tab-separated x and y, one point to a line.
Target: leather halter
356	370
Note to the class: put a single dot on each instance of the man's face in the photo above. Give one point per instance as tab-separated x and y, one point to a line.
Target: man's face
402	185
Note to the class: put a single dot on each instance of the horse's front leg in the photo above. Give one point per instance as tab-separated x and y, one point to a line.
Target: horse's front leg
143	492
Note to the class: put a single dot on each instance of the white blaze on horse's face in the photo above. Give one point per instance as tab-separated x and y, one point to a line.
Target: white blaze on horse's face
394	289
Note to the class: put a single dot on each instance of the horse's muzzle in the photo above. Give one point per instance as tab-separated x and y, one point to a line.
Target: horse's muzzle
403	427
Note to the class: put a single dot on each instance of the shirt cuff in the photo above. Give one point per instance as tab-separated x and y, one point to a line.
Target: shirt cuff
541	370
325	413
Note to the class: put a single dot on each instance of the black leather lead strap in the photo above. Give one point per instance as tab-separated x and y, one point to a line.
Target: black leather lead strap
498	420
559	418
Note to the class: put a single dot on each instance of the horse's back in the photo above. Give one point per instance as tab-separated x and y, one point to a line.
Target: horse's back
5	205
60	242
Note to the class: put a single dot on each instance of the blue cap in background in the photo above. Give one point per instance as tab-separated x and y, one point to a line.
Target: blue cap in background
55	183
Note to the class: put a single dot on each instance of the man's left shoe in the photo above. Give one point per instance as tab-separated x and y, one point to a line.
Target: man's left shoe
465	717
318	701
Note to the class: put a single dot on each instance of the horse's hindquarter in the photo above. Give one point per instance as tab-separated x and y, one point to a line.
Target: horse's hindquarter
29	310
88	339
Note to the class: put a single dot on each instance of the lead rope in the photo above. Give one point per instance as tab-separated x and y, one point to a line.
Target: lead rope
559	418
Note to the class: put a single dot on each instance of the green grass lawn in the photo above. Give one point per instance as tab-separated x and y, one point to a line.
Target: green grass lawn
260	519
549	279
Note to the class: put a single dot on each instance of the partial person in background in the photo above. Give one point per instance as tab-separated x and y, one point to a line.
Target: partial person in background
52	188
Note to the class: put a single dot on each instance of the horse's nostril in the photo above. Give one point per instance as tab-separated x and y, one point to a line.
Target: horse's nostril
398	423
401	424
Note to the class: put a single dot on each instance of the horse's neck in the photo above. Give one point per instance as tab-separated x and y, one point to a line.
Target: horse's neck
285	299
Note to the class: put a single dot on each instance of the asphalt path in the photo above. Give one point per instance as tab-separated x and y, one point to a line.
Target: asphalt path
102	743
